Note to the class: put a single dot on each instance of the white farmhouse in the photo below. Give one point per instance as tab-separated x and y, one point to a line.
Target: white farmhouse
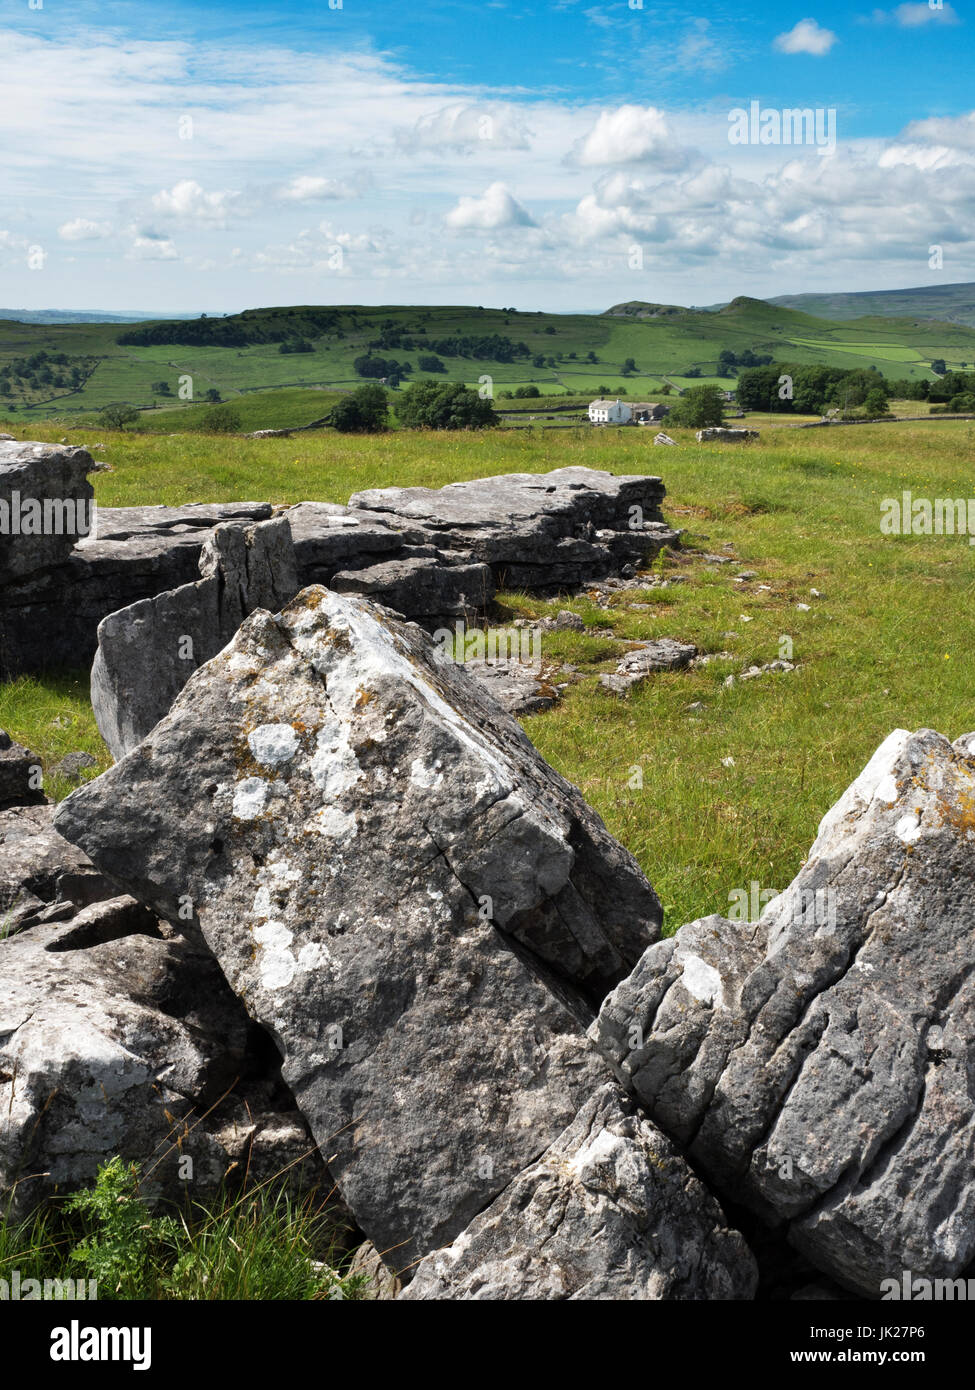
609	412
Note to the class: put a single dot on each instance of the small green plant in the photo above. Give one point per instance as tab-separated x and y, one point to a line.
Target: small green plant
262	1244
125	1246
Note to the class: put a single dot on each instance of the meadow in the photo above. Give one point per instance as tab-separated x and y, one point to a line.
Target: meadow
712	787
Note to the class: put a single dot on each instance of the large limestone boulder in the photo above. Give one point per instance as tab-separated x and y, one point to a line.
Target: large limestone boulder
610	1211
148	651
46	506
417	908
818	1063
536	530
133	553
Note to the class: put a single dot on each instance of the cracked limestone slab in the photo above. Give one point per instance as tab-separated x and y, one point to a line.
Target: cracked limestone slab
816	1063
610	1211
417	908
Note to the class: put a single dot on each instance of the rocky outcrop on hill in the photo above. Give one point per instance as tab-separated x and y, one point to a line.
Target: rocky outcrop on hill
433	555
816	1064
414	905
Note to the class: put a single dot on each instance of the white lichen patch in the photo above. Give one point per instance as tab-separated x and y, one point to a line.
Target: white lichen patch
908	828
334	823
423	776
275	962
701	980
334	767
315	955
273	745
250	798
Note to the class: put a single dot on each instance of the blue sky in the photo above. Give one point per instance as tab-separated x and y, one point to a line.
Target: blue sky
564	156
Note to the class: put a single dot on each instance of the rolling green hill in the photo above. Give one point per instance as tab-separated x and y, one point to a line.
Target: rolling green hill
953	303
69	370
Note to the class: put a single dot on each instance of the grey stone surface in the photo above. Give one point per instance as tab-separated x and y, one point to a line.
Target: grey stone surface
147	652
546	530
45	506
638	664
407	897
430	554
42	877
817	1063
724	435
18	767
610	1211
515	685
422	588
50	617
116	1040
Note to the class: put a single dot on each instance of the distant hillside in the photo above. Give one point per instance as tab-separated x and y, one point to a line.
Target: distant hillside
68	369
953	303
76	316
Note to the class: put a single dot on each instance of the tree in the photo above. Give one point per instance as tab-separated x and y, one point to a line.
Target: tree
527	393
591	357
222	419
116	417
876	404
629	367
442	405
213	396
428	362
363	411
698	408
939	366
161	388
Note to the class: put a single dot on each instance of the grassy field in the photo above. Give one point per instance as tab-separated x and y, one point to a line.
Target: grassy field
662	346
887	643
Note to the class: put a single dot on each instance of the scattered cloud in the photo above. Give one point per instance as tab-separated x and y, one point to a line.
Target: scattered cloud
494	209
913	16
81	229
309	188
628	135
806	37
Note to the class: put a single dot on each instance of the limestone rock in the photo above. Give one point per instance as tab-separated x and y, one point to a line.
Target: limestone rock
147	652
114	1040
45	506
406	896
610	1211
636	665
724	435
817	1062
42	877
18	769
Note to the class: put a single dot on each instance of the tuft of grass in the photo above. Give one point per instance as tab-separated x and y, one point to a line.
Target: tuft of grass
264	1244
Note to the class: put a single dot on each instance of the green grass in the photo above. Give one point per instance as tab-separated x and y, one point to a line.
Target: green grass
265	1244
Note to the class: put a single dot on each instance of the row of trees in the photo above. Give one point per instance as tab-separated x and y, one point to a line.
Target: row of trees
434	405
791	389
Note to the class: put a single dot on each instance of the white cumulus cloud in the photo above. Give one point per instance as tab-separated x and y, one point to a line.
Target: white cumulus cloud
628	135
495	208
806	37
